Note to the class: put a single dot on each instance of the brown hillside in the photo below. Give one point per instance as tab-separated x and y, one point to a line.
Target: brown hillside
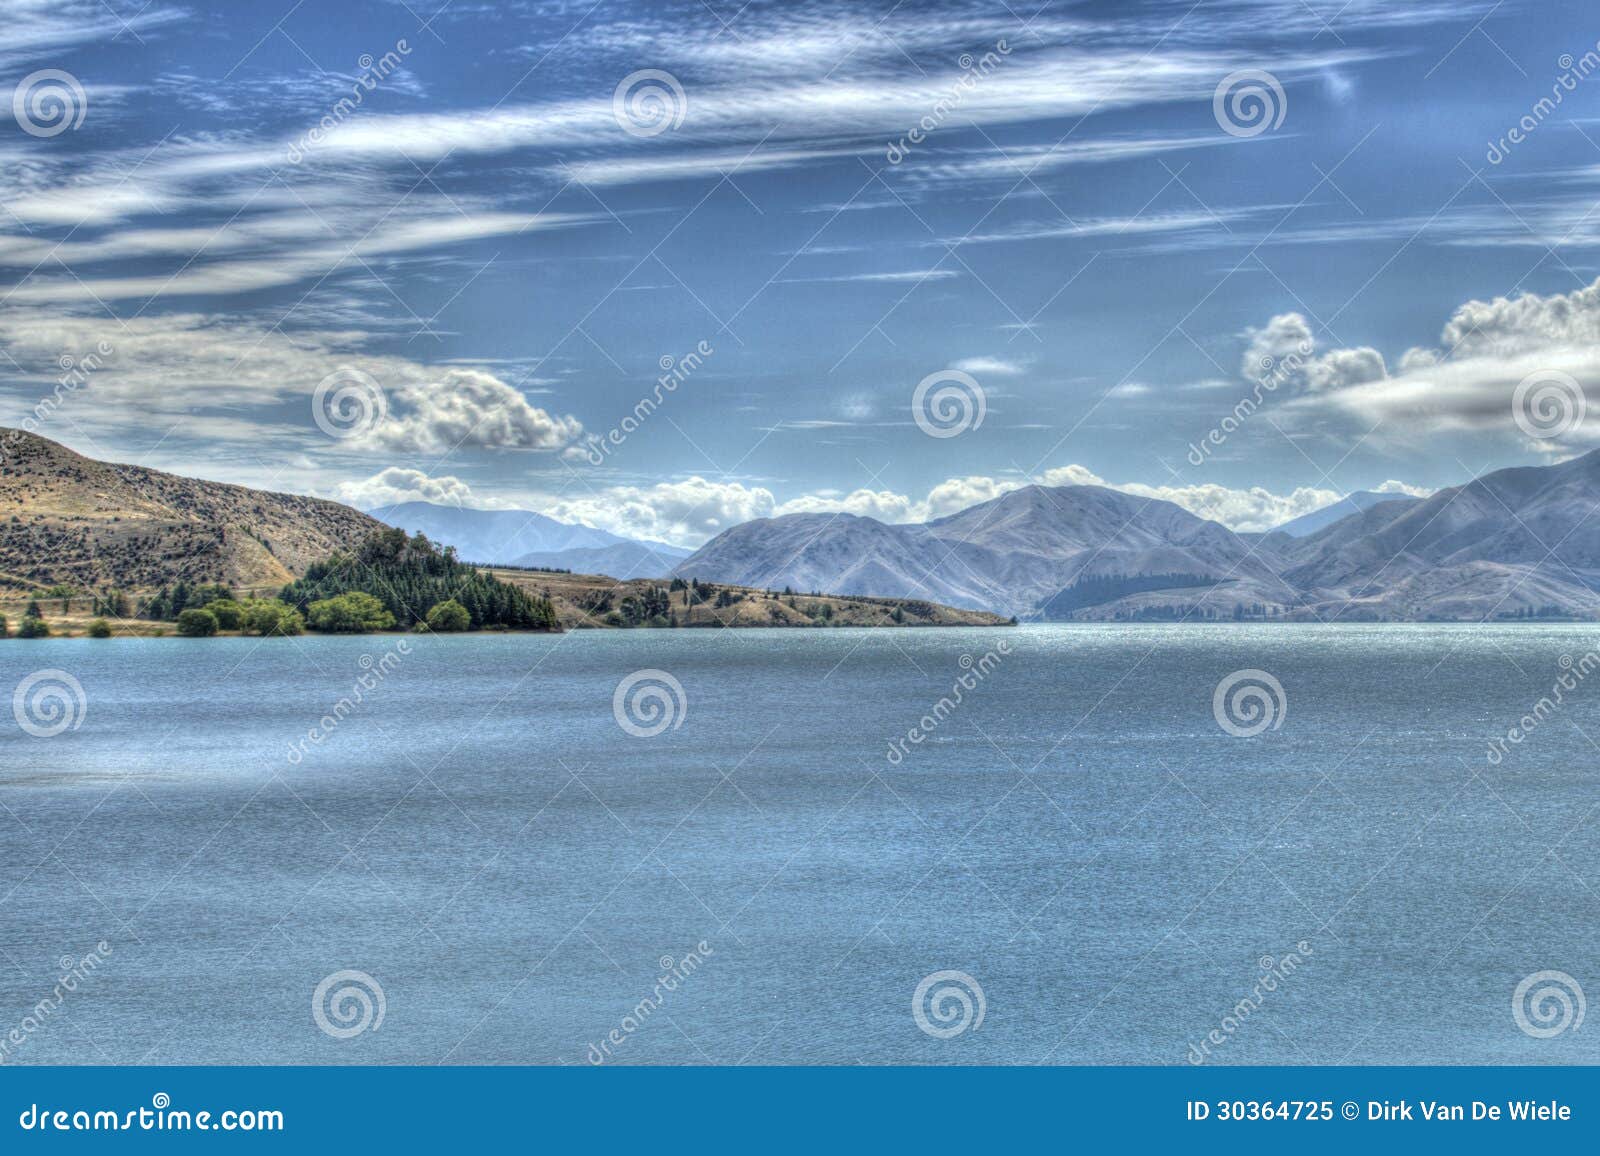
65	518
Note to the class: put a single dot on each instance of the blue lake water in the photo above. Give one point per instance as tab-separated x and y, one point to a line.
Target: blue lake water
1079	837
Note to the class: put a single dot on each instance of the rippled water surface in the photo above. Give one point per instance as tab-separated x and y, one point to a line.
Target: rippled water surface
1079	836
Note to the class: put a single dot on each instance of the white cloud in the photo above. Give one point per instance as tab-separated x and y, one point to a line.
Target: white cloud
686	512
467	407
996	366
397	484
1467	384
229	379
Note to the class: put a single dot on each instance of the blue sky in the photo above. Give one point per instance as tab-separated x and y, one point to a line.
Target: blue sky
480	261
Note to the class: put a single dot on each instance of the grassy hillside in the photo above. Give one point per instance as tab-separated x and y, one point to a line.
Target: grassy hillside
67	519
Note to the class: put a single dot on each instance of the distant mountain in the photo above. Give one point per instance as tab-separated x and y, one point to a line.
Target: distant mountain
1362	500
621	560
1086	551
843	553
500	537
1519	541
65	518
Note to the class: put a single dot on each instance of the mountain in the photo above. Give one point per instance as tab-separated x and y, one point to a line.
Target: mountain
65	518
621	560
1514	542
490	535
1361	500
843	553
1080	551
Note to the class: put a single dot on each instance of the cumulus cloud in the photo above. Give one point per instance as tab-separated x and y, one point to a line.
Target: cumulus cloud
191	368
397	484
687	512
467	407
1468	382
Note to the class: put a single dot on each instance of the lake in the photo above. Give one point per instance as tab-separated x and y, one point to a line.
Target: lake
1076	863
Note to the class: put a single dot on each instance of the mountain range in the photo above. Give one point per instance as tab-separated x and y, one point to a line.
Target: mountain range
525	538
1516	543
1513	544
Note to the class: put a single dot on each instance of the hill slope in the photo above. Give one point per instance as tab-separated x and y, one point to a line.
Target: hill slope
65	518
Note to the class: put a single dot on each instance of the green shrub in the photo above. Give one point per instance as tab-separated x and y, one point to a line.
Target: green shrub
354	613
99	628
229	613
268	616
32	626
197	624
449	616
5	630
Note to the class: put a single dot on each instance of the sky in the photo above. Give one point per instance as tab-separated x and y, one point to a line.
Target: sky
666	267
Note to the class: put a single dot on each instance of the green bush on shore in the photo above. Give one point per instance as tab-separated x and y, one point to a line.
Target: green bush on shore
197	624
99	628
356	612
228	612
32	626
448	617
268	616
